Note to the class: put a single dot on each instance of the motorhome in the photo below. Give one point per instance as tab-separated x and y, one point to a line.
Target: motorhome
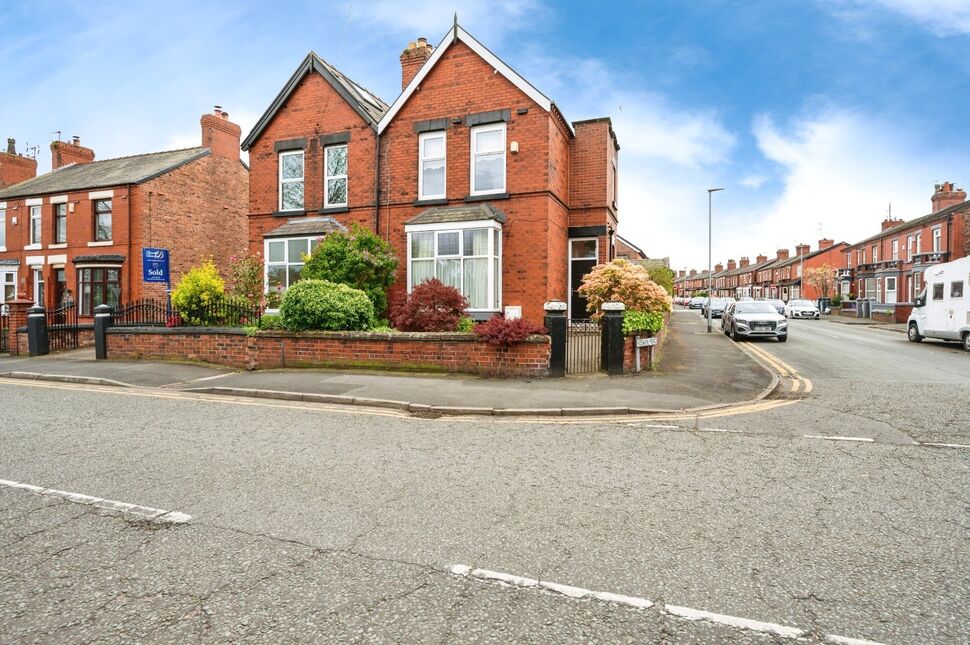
942	310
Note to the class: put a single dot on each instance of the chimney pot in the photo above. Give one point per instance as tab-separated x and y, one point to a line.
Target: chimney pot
11	146
945	196
76	140
413	58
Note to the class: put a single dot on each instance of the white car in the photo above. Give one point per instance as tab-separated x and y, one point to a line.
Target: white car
801	309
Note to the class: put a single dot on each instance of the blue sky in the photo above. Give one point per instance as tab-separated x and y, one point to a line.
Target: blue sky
813	114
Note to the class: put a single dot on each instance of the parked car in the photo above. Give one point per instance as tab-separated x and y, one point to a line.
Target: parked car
801	309
745	299
779	305
754	320
717	307
697	302
942	310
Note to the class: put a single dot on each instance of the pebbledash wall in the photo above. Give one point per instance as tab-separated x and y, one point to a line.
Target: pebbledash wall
437	352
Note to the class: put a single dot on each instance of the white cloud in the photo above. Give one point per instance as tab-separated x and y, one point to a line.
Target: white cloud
941	17
754	181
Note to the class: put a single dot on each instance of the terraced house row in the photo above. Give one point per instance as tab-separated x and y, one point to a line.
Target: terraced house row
472	174
886	267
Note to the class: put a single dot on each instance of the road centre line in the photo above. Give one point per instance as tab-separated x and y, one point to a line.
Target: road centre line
837	438
142	512
686	613
940	445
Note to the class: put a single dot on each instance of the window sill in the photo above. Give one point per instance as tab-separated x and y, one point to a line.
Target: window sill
62	245
33	247
3	249
442	201
104	243
488	197
289	213
332	210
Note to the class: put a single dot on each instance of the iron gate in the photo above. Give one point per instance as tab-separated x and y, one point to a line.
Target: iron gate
583	346
4	327
62	329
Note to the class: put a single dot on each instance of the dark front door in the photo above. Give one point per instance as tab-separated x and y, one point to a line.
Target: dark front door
583	256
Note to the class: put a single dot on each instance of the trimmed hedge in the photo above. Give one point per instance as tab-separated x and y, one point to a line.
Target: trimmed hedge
318	304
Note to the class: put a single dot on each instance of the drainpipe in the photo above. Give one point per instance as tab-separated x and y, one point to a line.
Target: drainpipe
377	182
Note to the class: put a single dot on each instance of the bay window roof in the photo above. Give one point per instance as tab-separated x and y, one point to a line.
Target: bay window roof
461	213
304	226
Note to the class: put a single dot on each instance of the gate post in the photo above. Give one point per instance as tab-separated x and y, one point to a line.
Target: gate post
611	354
18	318
102	320
555	323
38	342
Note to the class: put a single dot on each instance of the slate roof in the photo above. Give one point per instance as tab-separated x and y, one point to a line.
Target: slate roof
101	174
367	104
463	213
307	226
919	221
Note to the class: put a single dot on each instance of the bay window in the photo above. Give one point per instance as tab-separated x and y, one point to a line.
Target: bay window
335	179
98	286
431	165
488	159
291	180
284	260
465	256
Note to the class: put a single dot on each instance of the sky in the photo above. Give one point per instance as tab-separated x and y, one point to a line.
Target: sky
814	115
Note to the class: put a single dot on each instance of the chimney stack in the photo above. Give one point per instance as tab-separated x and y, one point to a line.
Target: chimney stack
745	262
64	153
889	222
413	59
693	272
825	243
762	258
945	195
802	249
681	273
782	254
220	135
718	268
15	168
732	265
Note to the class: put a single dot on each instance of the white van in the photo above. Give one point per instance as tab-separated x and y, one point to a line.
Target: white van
942	310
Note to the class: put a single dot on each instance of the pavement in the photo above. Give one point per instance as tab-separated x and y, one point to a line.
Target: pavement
696	370
845	320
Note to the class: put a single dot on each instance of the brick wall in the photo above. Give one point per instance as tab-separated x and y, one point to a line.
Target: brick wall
419	352
15	169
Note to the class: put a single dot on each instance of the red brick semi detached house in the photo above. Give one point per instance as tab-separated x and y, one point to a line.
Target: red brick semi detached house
81	227
483	182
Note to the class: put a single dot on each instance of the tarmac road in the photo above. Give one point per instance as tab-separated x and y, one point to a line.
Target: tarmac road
311	523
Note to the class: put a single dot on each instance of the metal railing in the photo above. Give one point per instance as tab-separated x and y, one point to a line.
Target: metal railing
220	312
62	329
144	313
4	331
583	346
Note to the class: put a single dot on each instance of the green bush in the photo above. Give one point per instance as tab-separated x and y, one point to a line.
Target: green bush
465	324
662	276
836	301
319	304
271	322
197	291
640	322
358	259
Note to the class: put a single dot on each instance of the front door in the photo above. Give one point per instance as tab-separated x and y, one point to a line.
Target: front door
60	287
583	256
890	291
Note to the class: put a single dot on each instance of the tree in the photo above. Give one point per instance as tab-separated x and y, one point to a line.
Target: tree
822	278
662	276
623	281
358	259
246	278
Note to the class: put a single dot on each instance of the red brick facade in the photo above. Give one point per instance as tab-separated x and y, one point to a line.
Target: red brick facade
559	179
196	209
458	353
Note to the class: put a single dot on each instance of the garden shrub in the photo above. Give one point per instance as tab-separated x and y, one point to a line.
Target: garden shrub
836	301
319	304
431	306
246	278
358	259
503	332
465	324
623	281
197	292
642	322
271	322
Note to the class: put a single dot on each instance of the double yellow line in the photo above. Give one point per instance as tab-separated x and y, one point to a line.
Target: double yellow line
783	369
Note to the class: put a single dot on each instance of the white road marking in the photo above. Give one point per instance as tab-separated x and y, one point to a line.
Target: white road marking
653	425
144	512
733	621
795	385
835	438
942	445
721	430
808	385
686	613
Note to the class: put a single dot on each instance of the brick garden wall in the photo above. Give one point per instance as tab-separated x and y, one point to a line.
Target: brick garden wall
406	351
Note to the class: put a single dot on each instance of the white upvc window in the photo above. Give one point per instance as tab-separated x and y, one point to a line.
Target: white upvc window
909	248
919	243
35	225
8	285
291	180
466	256
937	240
875	254
284	260
335	181
488	159
3	229
431	165
895	249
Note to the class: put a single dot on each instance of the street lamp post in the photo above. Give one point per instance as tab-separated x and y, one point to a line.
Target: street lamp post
710	191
